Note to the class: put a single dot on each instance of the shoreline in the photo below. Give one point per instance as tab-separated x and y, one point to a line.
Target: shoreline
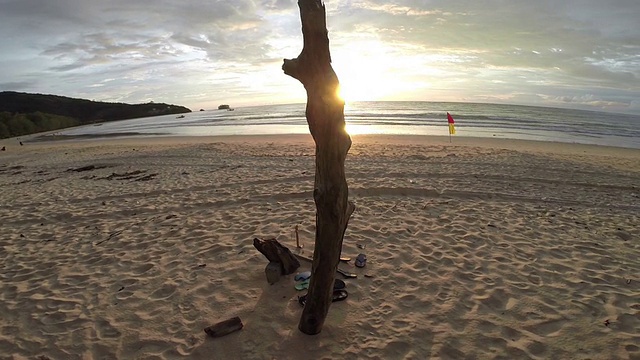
532	146
422	118
143	138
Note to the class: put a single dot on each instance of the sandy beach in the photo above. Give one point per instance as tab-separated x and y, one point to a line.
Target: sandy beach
479	249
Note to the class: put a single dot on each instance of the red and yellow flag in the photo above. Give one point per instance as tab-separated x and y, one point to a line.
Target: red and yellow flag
452	127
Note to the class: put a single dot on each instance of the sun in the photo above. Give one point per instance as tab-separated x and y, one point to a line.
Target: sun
363	83
366	72
360	88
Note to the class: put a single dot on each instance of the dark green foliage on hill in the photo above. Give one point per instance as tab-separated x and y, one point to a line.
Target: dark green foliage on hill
23	124
22	113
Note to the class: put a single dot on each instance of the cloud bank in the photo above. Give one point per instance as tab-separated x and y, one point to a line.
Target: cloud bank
581	54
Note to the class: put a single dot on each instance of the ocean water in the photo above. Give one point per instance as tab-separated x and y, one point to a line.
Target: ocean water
415	118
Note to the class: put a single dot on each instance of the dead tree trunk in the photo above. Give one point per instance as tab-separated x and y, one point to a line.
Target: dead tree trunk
325	115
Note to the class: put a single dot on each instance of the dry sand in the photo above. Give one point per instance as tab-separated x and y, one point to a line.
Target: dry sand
480	249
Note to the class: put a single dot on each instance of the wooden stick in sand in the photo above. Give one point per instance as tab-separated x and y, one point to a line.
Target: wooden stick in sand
224	327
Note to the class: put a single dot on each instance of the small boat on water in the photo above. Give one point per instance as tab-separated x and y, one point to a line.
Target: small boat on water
180	117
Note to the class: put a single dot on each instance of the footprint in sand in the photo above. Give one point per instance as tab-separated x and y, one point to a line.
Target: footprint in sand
628	323
396	350
75	280
632	348
164	292
106	331
535	279
53	318
137	271
537	348
511	333
60	305
175	327
172	265
408	301
192	276
128	282
496	301
488	280
147	347
547	328
399	325
450	351
9	292
123	295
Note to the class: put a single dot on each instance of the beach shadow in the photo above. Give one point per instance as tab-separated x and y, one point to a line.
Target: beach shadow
271	329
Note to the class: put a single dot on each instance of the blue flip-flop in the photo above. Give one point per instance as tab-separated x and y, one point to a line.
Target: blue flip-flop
361	260
302	276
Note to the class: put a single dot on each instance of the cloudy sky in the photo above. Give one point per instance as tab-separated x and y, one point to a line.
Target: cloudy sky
571	53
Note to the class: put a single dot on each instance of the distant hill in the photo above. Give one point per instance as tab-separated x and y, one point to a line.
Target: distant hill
86	111
23	113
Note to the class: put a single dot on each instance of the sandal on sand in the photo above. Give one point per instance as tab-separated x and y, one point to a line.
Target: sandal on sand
302	276
347	274
303	285
338	295
361	260
337	285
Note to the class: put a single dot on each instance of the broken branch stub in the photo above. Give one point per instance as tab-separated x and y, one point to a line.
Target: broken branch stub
277	253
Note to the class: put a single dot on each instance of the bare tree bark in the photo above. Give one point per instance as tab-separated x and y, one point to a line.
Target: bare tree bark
325	116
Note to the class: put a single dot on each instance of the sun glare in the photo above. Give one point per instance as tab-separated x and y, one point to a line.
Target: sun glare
357	129
367	71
